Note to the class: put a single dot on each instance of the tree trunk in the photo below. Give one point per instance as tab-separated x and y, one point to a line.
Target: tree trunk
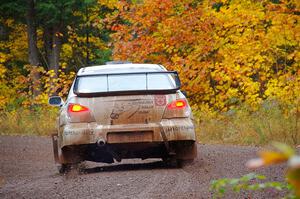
47	37
56	48
32	46
3	32
52	45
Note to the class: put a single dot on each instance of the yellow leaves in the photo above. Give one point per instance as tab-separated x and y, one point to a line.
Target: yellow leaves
59	34
286	88
18	42
109	3
16	89
271	157
245	51
169	49
51	73
9	22
232	92
293	177
283	153
2	71
3	57
3	102
41	99
64	65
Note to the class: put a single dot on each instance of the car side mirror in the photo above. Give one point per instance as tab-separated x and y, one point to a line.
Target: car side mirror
55	101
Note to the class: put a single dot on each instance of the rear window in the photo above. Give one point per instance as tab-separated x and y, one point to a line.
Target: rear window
106	83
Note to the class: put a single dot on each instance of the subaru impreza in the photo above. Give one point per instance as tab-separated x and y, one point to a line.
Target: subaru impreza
123	111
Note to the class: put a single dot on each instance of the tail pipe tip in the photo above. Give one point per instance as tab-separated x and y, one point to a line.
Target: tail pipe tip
100	142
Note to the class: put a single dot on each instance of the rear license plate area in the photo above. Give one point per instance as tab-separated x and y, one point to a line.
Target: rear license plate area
130	136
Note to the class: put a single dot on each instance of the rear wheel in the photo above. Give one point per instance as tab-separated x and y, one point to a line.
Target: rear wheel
186	151
171	162
183	154
64	168
182	163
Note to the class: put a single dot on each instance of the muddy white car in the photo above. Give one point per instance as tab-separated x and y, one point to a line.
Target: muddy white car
120	111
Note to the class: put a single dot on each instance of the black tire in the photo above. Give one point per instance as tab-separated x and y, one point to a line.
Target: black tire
181	163
171	162
65	168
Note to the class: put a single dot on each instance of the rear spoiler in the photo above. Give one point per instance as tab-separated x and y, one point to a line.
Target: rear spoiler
126	92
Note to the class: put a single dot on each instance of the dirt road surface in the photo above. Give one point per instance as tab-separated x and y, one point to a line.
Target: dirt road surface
27	170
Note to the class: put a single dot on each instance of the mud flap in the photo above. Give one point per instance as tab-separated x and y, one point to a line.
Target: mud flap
166	142
182	151
55	147
186	151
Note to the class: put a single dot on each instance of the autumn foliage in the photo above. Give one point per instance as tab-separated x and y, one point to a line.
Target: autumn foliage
280	154
227	52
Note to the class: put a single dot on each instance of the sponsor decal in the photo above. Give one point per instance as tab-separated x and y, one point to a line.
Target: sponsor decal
128	109
79	132
114	116
178	128
160	100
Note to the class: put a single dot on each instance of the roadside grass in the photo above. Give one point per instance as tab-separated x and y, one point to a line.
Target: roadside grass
28	122
238	126
244	127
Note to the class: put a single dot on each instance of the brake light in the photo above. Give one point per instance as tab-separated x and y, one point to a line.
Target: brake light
177	109
75	108
177	104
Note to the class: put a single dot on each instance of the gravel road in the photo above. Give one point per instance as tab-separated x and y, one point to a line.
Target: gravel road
27	170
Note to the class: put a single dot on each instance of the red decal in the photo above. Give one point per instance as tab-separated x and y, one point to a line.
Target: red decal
160	100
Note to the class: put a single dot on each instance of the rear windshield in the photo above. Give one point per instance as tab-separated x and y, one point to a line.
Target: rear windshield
154	81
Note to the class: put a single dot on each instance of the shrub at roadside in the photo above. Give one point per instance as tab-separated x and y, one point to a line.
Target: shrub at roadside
270	122
281	154
28	122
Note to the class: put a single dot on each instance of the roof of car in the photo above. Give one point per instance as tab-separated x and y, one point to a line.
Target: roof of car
120	68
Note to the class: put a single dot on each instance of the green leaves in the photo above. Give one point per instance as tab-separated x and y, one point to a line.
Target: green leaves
247	182
62	12
282	153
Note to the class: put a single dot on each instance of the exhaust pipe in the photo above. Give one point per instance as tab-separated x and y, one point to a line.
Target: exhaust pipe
100	143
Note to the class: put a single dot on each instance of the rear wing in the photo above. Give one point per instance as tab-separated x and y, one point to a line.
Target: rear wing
156	82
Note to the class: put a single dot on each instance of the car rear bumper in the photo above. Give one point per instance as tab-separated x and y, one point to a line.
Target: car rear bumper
179	129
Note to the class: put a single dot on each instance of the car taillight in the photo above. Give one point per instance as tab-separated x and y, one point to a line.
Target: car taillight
177	104
79	113
177	109
75	108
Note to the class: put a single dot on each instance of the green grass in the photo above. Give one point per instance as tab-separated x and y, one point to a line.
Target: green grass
28	122
238	126
244	127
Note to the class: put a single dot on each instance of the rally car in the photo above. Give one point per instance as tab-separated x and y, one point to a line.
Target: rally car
121	111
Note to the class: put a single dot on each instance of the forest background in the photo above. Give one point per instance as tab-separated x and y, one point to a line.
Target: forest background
238	60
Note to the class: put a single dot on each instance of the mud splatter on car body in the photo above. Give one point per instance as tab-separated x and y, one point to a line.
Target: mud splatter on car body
114	112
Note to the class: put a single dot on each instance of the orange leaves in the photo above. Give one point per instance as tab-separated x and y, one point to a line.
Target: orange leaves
282	154
16	89
267	158
225	54
243	51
